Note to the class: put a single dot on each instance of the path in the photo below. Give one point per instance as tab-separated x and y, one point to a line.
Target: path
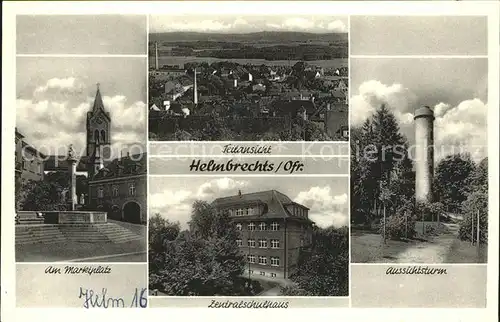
435	250
275	291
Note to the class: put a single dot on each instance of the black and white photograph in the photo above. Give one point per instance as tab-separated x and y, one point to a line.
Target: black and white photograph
248	236
419	160
80	157
248	78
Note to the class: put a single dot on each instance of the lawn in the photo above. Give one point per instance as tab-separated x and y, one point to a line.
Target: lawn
368	247
72	250
463	252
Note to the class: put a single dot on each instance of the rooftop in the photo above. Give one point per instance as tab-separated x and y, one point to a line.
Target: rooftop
273	200
425	111
123	167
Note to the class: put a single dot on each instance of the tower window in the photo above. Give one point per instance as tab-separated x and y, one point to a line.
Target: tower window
96	136
103	136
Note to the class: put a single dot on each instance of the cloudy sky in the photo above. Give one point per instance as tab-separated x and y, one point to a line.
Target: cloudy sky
85	34
419	35
455	88
54	95
247	24
326	197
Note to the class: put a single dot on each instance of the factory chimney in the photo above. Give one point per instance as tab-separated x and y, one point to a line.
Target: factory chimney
424	165
195	98
156	55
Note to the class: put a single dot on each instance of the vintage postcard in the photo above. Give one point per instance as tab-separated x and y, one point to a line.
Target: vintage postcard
222	160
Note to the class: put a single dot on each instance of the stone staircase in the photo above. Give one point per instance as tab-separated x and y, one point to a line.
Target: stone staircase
29	218
33	234
92	233
117	233
83	233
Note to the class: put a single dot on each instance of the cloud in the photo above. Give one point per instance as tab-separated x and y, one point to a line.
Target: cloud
336	219
372	94
239	24
337	26
220	186
326	209
59	107
173	205
176	204
441	108
204	25
462	128
457	129
67	85
298	23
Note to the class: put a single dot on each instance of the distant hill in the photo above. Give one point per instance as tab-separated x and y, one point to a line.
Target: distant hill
256	37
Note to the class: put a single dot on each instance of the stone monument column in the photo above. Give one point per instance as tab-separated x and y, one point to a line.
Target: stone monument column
72	172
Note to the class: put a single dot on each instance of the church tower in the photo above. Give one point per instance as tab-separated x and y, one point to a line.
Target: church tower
98	135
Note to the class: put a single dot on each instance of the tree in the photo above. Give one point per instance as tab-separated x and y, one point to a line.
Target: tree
476	202
41	196
63	180
387	139
454	180
403	180
480	176
202	261
161	230
379	164
324	270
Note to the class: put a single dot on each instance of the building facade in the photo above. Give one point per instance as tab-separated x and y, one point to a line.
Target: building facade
29	163
120	189
272	231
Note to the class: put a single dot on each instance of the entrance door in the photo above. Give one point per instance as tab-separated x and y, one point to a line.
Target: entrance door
132	212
